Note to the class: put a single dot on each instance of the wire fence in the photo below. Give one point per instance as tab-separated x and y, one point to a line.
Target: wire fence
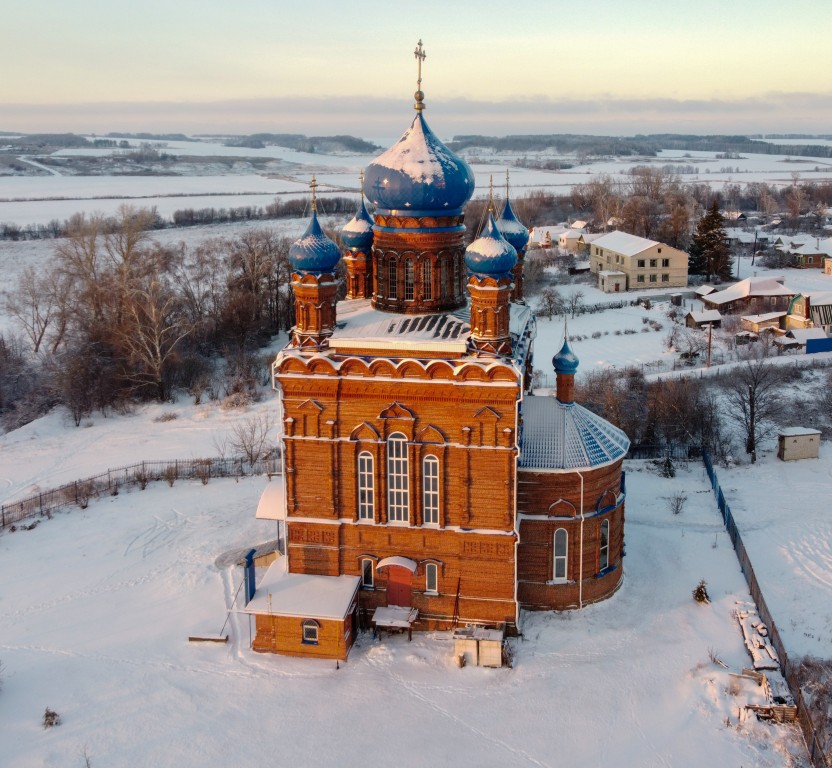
817	752
80	492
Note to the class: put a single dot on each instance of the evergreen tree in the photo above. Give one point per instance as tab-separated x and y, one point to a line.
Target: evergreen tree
709	254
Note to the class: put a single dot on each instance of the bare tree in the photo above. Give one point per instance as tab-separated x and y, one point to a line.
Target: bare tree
551	303
575	301
253	438
753	395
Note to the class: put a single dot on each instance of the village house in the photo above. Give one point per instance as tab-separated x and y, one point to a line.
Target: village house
753	296
426	487
644	263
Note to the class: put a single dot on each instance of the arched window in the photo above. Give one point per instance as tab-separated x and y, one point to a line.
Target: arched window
432	578
408	280
392	281
366	487
398	488
604	546
560	556
443	279
430	490
310	632
457	278
367	573
427	280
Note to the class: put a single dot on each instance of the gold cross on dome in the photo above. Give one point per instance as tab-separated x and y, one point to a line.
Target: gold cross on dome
420	55
313	185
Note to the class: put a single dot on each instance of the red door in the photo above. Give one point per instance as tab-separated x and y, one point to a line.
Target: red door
398	586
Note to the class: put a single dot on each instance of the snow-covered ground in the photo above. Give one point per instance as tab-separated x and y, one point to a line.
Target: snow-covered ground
97	606
38	200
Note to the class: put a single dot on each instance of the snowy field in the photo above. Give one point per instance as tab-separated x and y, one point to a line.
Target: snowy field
97	606
38	200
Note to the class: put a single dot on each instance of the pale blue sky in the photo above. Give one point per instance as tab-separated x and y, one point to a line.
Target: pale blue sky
276	65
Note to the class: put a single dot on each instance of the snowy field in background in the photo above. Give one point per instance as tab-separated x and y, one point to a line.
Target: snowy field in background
58	197
97	606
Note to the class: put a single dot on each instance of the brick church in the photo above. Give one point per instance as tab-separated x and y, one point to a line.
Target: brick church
425	484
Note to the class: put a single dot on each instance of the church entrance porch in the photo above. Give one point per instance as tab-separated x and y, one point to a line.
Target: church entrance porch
400	572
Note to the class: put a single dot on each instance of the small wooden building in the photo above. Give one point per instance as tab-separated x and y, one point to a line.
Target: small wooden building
795	443
701	319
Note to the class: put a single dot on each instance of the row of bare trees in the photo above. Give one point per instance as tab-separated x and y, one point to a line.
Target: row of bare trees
118	316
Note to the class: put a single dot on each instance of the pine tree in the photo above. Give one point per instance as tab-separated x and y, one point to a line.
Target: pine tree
709	254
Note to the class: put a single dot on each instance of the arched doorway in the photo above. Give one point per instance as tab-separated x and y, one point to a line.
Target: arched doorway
400	572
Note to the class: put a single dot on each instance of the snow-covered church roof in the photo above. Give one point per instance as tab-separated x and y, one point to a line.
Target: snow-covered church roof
567	436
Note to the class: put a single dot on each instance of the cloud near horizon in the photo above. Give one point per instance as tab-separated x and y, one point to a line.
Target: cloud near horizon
804	113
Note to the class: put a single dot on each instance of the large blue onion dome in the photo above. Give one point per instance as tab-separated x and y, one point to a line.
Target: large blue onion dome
419	175
512	229
491	255
314	252
565	361
358	231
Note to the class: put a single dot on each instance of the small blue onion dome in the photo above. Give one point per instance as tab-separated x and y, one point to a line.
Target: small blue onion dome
358	232
314	252
419	174
512	229
565	361
491	255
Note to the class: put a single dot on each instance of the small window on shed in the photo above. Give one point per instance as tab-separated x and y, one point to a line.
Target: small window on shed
310	632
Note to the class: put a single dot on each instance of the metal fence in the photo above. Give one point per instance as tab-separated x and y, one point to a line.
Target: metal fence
790	670
80	492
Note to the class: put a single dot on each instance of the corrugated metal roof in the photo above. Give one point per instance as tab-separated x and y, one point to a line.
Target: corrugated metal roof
567	436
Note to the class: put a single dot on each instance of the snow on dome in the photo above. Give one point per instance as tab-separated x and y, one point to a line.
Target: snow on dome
314	252
565	361
512	229
358	231
419	174
567	436
490	254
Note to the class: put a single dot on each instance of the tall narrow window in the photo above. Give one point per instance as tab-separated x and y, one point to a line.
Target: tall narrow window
561	548
367	575
443	279
398	488
427	280
366	487
392	281
430	490
604	551
457	278
408	280
432	578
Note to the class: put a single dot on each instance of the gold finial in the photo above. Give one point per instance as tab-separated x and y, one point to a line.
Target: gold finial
506	184
313	185
361	176
420	55
491	194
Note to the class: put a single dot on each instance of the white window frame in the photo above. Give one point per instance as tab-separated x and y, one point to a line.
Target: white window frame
427	280
432	575
604	546
366	486
430	490
560	574
398	479
409	279
368	575
309	631
392	279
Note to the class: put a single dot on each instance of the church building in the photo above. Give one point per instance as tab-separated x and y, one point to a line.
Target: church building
424	481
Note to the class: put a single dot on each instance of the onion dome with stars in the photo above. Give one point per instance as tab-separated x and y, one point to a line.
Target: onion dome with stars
419	175
511	228
565	361
357	233
314	252
491	255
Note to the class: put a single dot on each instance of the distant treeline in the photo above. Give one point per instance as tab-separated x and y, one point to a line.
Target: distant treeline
302	143
150	136
191	217
644	145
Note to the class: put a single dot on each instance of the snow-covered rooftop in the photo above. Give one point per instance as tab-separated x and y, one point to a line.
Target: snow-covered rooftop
624	243
300	594
706	316
560	435
751	286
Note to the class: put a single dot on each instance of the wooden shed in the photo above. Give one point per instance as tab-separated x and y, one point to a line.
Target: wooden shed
798	443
